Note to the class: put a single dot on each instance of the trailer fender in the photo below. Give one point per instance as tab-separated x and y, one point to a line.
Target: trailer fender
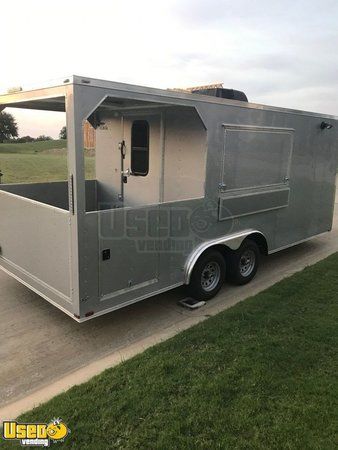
232	241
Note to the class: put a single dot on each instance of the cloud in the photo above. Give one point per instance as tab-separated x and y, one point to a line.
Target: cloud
275	51
281	53
253	13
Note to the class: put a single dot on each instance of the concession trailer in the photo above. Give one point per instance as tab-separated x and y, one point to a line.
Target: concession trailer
189	189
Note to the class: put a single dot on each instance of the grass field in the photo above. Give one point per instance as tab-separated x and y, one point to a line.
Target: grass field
261	375
37	162
32	147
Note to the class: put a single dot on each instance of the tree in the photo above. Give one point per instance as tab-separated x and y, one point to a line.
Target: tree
42	137
63	133
24	139
8	127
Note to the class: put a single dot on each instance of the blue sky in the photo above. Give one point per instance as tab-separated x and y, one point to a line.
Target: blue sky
279	53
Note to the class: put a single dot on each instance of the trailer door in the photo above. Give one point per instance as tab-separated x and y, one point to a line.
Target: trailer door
128	256
128	234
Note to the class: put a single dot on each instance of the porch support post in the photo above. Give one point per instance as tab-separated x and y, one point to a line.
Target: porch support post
77	198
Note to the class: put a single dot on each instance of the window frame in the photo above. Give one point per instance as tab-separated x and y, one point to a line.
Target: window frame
135	148
225	165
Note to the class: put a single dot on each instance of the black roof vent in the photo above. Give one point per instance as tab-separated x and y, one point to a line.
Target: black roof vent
231	94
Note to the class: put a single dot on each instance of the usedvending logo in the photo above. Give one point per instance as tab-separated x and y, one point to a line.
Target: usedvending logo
35	434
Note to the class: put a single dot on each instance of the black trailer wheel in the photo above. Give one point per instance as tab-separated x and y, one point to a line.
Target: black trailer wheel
243	263
208	276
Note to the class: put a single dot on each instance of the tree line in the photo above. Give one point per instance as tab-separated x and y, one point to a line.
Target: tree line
9	131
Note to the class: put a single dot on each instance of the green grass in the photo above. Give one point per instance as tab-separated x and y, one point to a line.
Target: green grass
261	375
38	162
32	147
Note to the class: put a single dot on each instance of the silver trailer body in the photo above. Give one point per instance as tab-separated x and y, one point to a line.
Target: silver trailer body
219	171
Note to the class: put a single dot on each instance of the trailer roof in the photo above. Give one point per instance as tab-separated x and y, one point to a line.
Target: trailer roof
51	96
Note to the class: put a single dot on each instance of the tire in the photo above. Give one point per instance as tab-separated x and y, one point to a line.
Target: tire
243	263
208	276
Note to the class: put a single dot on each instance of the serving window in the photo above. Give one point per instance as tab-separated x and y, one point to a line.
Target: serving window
256	156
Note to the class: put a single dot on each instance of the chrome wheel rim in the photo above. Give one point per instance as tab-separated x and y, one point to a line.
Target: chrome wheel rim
210	277
247	263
